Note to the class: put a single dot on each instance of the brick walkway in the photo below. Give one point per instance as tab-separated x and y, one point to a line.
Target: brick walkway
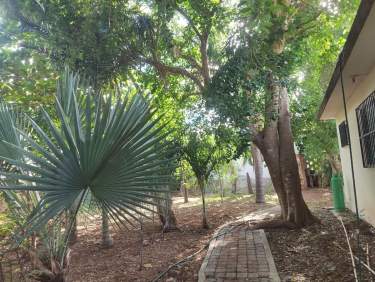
238	255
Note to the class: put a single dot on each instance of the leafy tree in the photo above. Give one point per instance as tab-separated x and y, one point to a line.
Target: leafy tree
316	139
252	89
102	30
206	145
26	79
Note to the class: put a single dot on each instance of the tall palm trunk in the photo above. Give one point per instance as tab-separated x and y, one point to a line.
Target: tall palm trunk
259	180
201	183
107	241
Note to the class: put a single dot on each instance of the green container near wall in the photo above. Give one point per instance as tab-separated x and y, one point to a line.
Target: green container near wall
337	193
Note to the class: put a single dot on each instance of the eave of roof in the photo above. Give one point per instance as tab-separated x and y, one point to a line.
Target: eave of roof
359	21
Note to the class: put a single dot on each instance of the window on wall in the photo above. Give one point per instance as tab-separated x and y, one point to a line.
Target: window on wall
366	126
343	129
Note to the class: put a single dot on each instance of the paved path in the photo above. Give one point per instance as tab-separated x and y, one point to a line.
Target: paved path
238	254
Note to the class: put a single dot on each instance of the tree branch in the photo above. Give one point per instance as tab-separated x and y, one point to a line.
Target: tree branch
186	16
166	69
256	136
25	22
193	62
204	58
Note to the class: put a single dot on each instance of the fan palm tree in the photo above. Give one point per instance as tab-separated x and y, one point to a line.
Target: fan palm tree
105	146
46	255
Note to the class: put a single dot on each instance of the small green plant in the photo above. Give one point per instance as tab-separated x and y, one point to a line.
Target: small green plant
6	225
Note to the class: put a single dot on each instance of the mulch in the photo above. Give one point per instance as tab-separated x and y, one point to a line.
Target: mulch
316	253
320	252
123	262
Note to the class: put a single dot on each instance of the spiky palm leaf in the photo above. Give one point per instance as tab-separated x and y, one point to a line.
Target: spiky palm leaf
109	147
50	260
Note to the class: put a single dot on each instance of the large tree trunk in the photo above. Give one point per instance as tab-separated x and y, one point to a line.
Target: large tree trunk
166	215
259	180
298	211
276	145
107	241
302	170
201	183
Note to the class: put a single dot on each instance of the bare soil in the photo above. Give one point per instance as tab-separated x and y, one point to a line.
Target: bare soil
316	253
123	262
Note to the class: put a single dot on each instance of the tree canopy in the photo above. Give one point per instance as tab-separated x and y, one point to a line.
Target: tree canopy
245	59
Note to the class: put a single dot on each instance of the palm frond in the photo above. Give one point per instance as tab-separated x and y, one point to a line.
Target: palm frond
108	146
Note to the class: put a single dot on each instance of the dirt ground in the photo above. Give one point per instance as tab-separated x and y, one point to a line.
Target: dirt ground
316	253
320	252
123	262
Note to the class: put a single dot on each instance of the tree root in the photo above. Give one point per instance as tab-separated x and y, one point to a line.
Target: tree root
278	223
170	229
273	224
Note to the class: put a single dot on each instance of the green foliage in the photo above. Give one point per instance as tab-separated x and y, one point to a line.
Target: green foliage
319	51
232	89
26	79
307	45
53	29
107	146
6	225
207	143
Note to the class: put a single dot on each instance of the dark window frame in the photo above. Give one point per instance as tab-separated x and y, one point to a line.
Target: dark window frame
343	131
365	113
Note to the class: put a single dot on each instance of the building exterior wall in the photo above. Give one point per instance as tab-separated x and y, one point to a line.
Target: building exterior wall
365	177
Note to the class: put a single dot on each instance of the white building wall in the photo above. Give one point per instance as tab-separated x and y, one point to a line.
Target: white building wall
365	177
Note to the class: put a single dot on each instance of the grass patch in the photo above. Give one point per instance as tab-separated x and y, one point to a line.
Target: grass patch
6	225
230	197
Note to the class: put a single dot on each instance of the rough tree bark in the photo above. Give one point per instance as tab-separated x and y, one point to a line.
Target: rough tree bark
276	144
73	233
302	170
259	180
201	184
166	215
107	241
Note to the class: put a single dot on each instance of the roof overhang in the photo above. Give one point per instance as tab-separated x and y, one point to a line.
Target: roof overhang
357	59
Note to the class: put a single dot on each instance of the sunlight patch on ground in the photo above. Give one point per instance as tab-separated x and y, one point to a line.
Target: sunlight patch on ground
178	202
272	198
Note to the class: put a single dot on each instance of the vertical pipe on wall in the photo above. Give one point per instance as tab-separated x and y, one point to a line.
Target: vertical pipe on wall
359	265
